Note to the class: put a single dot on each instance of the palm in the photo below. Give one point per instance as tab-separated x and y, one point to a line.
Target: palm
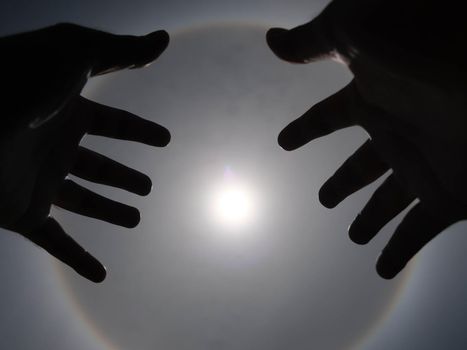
44	157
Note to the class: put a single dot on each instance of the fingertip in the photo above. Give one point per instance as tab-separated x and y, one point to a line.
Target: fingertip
155	134
357	234
303	44
92	269
386	267
145	186
165	137
100	275
136	218
283	46
154	44
275	38
328	196
161	38
148	187
132	218
286	140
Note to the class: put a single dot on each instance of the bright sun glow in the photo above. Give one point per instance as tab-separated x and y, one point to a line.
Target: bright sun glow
232	205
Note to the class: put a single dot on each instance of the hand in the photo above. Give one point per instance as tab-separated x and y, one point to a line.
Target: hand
409	95
43	120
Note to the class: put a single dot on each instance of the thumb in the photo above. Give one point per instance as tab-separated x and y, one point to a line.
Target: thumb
107	52
306	43
48	67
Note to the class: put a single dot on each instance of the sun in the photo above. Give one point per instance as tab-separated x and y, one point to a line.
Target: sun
232	204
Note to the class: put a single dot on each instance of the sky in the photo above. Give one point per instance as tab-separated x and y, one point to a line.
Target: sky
288	277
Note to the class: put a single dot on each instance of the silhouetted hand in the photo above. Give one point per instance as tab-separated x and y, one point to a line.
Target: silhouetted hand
408	93
43	119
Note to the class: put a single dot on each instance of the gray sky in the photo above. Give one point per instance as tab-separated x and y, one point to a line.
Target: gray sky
291	279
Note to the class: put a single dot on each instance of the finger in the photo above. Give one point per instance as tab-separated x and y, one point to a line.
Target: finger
119	124
124	51
54	240
361	169
387	202
309	42
82	201
97	168
335	112
418	228
109	52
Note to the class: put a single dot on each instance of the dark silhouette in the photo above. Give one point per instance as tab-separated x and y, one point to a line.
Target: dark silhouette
43	120
408	59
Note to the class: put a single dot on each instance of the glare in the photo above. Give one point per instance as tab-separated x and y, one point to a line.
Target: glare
232	205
